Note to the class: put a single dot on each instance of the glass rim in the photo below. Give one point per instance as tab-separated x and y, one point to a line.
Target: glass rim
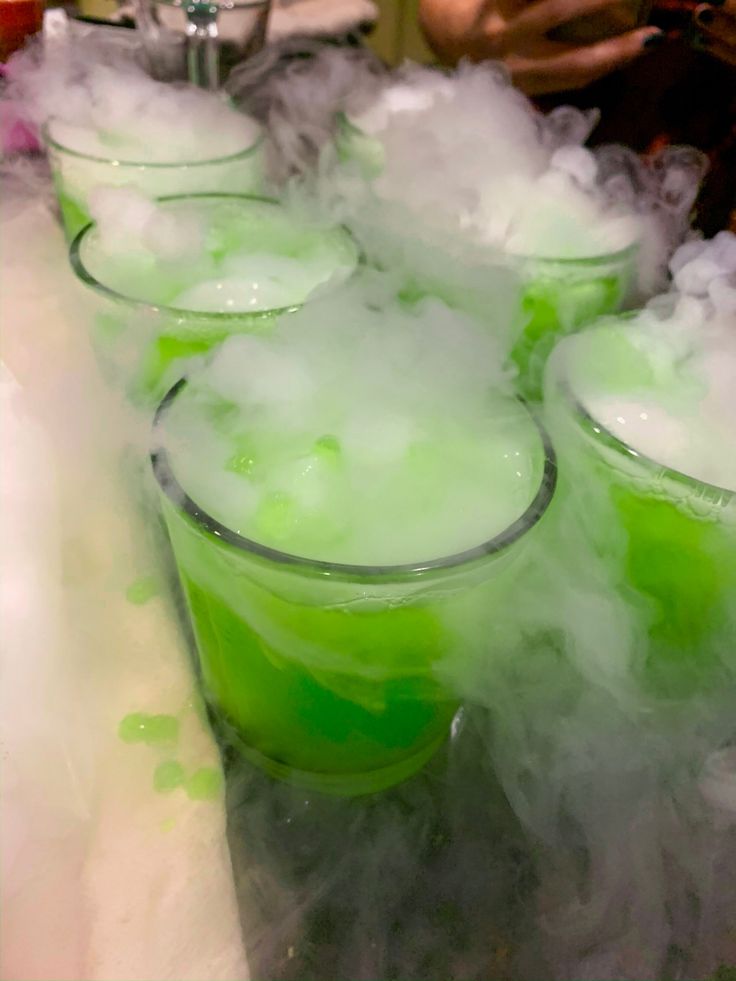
586	261
345	571
182	313
152	164
627	251
601	435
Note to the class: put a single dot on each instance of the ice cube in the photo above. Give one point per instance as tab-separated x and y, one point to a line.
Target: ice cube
235	501
307	506
307	483
244	459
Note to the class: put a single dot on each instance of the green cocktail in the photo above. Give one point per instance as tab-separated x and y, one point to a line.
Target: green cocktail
83	159
637	410
559	296
333	564
554	298
574	262
194	270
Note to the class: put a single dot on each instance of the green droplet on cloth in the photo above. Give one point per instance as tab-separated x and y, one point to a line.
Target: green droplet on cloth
142	590
150	729
204	784
168	776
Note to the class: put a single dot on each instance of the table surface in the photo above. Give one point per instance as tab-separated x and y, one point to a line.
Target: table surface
429	880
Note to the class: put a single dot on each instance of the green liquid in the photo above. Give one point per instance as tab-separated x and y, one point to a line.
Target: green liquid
160	361
73	215
146	365
553	309
317	683
685	567
342	727
328	669
669	543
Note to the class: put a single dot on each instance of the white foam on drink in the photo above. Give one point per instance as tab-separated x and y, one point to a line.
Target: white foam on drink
214	255
679	409
463	152
401	98
372	434
102	104
469	153
257	282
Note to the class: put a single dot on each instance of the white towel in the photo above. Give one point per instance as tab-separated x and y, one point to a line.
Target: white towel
104	878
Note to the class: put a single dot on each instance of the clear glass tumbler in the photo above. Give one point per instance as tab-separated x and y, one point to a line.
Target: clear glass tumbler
144	345
559	297
324	673
76	174
669	539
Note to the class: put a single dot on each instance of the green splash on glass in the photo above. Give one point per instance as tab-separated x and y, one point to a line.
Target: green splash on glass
137	727
168	776
204	784
142	590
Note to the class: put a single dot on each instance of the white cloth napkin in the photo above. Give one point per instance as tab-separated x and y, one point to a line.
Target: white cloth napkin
104	878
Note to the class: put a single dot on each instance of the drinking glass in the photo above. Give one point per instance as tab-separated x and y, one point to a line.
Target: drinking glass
669	538
144	346
325	673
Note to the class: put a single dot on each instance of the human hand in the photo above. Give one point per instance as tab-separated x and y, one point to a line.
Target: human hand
716	23
515	32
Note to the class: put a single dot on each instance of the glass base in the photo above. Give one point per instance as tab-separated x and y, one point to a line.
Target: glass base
335	784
